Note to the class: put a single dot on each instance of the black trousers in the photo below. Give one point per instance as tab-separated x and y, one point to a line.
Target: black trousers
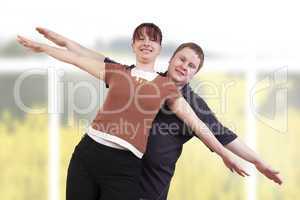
98	172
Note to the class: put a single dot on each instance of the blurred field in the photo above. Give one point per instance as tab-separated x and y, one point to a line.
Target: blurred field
23	157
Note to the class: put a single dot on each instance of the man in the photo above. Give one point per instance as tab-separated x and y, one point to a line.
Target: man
165	144
165	147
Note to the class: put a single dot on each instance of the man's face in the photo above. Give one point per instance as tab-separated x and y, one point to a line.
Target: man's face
146	48
183	66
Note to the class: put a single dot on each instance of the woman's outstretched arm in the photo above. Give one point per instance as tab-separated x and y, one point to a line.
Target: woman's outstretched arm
90	65
184	111
71	45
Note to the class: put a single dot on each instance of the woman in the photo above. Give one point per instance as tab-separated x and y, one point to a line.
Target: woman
106	162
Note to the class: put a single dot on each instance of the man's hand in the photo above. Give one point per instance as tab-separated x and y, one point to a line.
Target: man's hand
234	166
269	172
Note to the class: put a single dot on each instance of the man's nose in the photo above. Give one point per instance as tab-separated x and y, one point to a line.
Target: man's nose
184	66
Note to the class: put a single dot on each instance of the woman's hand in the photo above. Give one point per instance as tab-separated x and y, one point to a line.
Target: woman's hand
69	44
34	46
53	36
90	65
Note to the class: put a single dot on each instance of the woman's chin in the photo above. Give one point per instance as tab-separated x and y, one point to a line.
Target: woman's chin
146	58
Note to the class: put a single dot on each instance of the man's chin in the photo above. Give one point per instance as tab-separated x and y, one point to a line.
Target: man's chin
177	78
180	77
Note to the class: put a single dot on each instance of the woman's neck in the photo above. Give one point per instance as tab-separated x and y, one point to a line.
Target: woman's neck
147	66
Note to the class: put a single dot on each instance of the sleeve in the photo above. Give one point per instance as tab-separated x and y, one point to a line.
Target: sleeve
171	91
112	70
107	60
202	110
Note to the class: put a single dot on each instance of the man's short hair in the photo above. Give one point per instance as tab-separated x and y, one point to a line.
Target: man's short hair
196	48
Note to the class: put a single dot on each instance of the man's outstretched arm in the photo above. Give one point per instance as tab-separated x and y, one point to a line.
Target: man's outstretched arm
242	150
202	110
230	140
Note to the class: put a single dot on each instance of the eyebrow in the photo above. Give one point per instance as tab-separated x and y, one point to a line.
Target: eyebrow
183	56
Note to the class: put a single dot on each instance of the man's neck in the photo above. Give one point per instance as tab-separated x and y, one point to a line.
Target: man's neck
179	86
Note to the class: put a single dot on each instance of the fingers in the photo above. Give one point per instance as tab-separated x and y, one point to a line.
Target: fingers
267	171
272	175
239	169
277	179
23	41
228	166
244	173
34	46
274	171
20	38
241	172
52	36
41	30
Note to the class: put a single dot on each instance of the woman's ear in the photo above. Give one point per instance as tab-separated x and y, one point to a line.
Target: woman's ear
160	49
132	49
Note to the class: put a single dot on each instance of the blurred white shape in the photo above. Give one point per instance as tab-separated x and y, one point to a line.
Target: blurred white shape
53	128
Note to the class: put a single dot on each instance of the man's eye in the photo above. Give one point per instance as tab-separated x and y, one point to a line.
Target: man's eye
182	59
192	65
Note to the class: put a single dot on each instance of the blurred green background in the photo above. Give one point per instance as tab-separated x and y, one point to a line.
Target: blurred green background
200	174
237	37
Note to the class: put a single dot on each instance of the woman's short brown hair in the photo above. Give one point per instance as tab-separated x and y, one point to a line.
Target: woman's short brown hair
151	30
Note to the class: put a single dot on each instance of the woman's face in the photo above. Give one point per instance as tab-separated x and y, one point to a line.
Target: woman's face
183	66
145	48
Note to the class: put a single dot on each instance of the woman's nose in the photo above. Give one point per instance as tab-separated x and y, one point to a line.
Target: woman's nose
146	41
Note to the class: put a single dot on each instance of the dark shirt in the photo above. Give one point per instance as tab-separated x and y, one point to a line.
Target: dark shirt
165	142
166	139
